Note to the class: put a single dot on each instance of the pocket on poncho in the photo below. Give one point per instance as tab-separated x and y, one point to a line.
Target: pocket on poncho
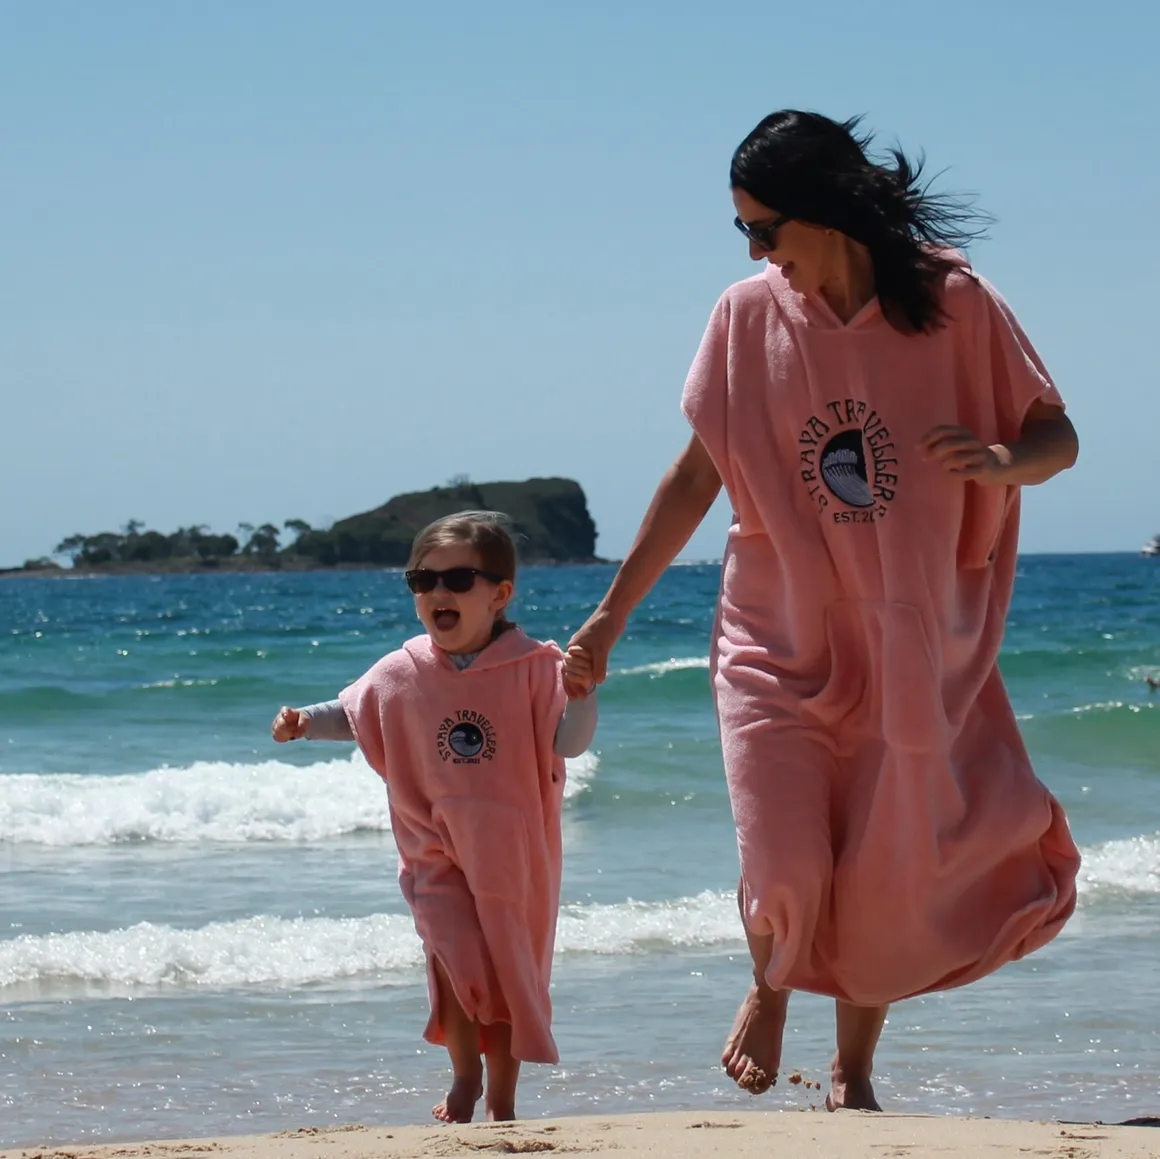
843	700
883	679
490	845
909	688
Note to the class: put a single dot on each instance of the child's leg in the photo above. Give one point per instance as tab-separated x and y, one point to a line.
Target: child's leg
462	1037
503	1072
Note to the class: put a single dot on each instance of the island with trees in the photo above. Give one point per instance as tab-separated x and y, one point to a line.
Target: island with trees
549	516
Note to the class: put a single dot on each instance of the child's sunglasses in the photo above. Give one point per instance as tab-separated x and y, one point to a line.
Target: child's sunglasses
455	579
762	233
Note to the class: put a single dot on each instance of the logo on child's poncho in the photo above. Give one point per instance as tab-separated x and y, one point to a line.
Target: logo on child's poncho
465	738
847	453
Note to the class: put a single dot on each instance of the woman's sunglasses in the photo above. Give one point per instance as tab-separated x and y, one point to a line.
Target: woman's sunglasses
455	579
762	233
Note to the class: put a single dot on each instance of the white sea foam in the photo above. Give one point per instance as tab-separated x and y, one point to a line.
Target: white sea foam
664	667
208	801
706	919
1130	865
383	948
1096	709
581	770
269	951
177	683
252	951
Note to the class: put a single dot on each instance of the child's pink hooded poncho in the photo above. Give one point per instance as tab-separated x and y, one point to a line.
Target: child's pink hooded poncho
475	792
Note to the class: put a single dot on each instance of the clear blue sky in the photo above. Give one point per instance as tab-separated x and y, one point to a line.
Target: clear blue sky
261	261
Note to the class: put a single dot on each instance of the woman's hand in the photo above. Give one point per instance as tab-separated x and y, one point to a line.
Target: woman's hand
1047	444
289	724
595	640
684	496
959	451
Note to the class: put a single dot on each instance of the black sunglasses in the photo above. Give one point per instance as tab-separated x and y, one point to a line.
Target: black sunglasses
762	233
455	579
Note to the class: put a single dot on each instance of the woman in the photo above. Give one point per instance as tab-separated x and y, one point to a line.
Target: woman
872	408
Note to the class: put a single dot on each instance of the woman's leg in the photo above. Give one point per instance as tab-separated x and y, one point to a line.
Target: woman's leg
462	1037
503	1072
752	1054
859	1028
779	788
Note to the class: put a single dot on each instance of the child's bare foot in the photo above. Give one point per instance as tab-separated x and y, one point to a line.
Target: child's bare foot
752	1054
462	1038
850	1092
459	1106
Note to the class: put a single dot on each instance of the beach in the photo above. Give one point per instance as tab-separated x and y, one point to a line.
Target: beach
746	1135
201	934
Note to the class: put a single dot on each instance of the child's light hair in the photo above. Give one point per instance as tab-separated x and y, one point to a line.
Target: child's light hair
485	532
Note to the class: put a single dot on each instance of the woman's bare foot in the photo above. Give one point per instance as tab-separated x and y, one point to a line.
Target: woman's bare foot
459	1106
850	1092
752	1054
503	1073
859	1028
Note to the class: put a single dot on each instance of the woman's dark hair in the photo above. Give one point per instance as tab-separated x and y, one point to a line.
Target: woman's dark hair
486	533
808	167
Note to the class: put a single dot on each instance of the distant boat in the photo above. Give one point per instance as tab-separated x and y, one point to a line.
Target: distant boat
1152	547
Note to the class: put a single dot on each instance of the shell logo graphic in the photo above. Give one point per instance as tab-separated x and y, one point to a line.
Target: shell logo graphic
843	469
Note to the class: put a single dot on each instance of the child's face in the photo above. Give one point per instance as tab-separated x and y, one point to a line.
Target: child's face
461	622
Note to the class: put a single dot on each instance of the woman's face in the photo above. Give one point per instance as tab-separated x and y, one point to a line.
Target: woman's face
801	251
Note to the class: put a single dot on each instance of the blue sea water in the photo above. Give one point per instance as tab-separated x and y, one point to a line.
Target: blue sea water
200	931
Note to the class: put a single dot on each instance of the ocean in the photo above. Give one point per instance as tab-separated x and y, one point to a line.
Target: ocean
201	933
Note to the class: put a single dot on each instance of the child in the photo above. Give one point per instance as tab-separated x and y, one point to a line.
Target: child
469	726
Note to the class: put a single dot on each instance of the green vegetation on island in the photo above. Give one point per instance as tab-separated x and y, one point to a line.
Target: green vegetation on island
550	518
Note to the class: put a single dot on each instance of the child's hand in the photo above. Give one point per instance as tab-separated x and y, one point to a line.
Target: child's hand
289	724
578	682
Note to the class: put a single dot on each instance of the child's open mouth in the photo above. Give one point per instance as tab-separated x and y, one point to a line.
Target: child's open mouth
445	619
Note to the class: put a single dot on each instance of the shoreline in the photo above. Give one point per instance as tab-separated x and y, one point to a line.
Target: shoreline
240	567
674	1135
248	568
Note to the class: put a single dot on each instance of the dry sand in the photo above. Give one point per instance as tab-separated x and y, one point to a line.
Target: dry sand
744	1135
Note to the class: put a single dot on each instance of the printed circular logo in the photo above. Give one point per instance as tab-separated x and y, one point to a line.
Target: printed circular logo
846	452
466	740
844	469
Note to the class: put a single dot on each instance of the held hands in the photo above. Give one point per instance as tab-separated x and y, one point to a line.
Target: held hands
289	724
578	682
959	451
591	647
